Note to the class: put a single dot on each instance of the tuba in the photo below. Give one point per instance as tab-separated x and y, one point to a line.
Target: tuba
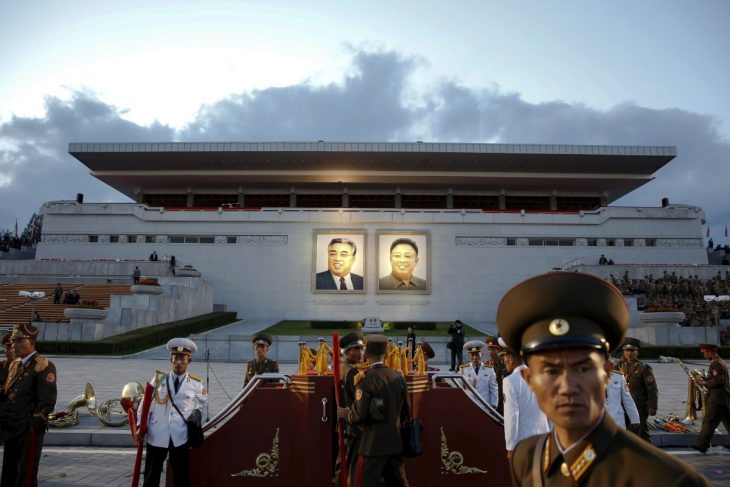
114	411
70	416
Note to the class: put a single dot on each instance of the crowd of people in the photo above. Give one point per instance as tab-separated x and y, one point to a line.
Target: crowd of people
670	292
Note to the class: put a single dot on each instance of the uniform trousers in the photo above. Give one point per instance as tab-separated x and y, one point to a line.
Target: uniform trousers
351	456
390	467
643	430
21	456
179	462
712	419
457	357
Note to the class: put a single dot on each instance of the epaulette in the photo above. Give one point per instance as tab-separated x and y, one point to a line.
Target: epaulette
463	366
40	363
618	372
360	375
195	377
489	365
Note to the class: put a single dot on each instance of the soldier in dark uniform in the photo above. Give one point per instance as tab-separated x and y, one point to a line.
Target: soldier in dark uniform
30	396
718	397
352	346
499	368
261	363
381	404
641	382
565	324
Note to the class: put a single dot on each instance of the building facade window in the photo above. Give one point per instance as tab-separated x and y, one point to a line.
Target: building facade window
93	239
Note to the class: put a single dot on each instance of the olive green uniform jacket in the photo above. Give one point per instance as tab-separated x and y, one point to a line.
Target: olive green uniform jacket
609	456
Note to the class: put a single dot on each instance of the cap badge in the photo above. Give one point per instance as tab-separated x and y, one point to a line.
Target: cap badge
558	327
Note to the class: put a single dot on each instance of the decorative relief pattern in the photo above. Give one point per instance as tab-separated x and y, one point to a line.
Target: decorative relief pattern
453	461
401	302
679	242
523	242
581	242
639	242
267	464
73	238
481	241
348	302
220	240
263	239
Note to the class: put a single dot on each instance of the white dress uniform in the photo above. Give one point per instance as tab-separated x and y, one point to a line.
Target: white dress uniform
522	416
164	421
618	400
486	384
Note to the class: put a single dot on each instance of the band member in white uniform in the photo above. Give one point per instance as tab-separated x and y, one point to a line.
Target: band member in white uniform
478	375
619	401
167	431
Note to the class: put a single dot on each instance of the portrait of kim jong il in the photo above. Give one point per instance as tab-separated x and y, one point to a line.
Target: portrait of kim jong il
403	263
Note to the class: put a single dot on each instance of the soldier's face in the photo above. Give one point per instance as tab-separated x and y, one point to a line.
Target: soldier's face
631	355
570	386
354	355
340	259
493	353
509	362
476	358
180	362
9	354
261	351
23	347
403	260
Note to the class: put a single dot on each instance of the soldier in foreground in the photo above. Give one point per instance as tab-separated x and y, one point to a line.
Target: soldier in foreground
718	397
261	363
642	384
5	364
30	396
565	324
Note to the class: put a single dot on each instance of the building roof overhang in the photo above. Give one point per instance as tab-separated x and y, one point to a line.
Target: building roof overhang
610	170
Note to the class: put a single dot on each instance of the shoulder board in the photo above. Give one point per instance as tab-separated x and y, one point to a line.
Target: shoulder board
489	365
463	366
195	377
40	363
360	375
618	372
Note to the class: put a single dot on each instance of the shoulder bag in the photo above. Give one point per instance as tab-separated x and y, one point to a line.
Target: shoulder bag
194	423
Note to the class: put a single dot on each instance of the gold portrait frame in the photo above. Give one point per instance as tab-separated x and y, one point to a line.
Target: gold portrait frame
421	274
322	283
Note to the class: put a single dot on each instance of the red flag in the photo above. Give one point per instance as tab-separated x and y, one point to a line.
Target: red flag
708	231
16	227
726	229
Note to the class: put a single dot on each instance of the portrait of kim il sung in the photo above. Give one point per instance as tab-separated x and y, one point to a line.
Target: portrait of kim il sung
403	262
339	261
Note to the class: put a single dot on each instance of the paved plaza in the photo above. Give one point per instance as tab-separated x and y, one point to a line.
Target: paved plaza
68	460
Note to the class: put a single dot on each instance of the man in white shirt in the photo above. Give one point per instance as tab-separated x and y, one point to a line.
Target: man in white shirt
480	376
167	430
522	415
619	401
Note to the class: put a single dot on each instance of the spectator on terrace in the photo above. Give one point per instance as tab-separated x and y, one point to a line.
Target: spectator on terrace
610	261
602	260
136	274
710	244
57	293
36	316
153	256
173	263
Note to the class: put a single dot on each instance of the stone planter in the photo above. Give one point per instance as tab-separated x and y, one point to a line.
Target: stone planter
90	314
141	289
665	318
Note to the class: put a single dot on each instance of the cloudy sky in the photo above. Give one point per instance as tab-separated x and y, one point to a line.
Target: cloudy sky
655	72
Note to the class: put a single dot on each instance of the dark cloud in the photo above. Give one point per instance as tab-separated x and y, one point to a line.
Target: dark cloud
371	104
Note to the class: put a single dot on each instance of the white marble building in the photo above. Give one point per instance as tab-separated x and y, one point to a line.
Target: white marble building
491	215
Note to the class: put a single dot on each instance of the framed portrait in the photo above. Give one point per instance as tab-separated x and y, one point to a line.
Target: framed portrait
404	262
338	261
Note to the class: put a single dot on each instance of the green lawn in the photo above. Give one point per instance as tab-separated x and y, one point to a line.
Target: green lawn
304	328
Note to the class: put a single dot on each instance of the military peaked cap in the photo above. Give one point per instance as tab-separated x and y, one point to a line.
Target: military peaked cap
262	339
427	350
630	344
183	346
6	338
562	310
376	344
24	330
474	346
491	341
351	340
707	346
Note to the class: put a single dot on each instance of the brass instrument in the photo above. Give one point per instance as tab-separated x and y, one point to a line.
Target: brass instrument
114	411
696	392
70	416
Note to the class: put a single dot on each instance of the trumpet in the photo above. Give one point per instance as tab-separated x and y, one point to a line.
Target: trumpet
695	376
696	392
